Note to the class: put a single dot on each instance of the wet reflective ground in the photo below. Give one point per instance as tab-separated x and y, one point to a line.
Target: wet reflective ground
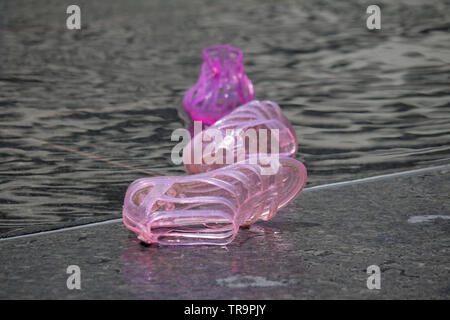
84	113
318	248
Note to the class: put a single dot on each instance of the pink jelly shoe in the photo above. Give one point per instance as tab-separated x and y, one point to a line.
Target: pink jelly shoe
221	87
239	134
208	208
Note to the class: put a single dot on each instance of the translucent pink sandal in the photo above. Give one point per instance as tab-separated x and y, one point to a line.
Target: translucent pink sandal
221	87
208	208
240	134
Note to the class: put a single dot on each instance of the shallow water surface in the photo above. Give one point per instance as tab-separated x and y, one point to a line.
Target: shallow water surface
84	113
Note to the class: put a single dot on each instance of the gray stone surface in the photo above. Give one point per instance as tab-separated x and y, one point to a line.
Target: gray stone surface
318	247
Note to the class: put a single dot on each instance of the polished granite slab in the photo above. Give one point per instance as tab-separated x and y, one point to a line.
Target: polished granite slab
318	247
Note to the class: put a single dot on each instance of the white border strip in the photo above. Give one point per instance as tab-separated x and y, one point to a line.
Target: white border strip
324	186
82	226
376	178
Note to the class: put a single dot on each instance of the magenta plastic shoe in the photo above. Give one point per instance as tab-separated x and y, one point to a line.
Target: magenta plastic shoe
201	153
221	87
208	208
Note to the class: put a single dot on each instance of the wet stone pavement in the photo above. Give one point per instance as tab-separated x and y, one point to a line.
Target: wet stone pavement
318	247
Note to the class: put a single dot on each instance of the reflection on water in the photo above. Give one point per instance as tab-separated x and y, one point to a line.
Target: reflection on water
249	262
362	103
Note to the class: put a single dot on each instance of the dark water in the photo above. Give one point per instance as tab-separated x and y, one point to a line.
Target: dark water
84	113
